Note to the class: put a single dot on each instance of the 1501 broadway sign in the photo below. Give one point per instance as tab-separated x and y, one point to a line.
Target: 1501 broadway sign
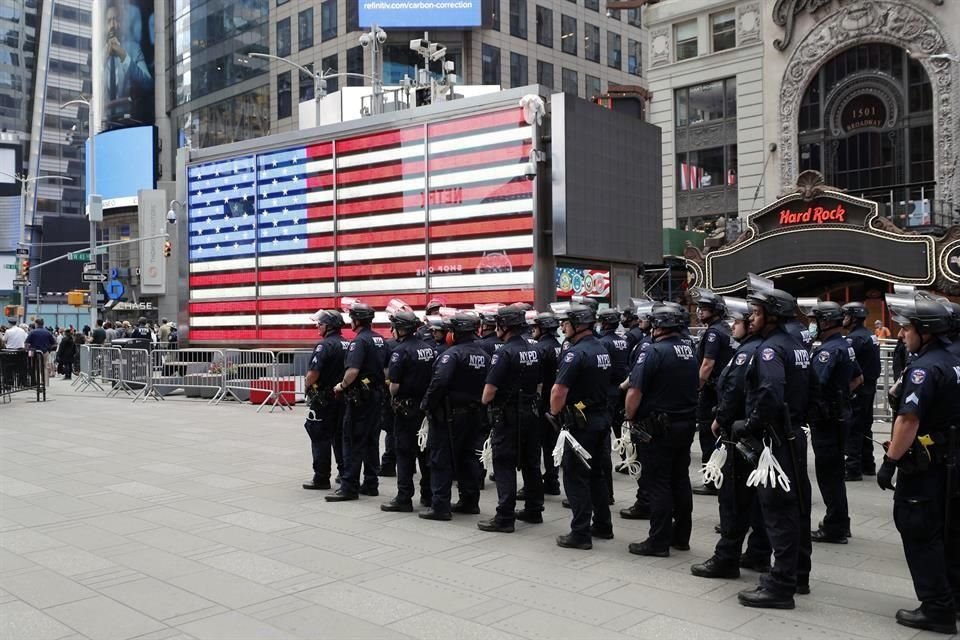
152	218
819	229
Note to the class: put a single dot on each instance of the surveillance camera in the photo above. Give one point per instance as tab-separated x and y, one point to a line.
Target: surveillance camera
438	54
171	216
381	36
530	171
449	66
365	40
415	44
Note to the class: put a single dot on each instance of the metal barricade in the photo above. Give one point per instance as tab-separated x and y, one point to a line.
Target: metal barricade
292	365
127	371
254	376
91	367
199	372
22	371
881	406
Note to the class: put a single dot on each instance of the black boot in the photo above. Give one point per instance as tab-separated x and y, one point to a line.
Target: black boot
821	535
430	514
919	619
341	496
646	549
760	598
532	517
760	565
635	512
714	568
551	488
602	533
317	484
468	509
492	526
397	506
570	541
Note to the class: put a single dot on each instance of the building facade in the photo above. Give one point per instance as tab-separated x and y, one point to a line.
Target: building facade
863	92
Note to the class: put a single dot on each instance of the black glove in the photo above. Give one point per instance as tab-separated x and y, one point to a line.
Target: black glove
885	473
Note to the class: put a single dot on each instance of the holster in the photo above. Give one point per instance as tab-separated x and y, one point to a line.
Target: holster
573	417
405	407
496	416
656	424
359	393
320	397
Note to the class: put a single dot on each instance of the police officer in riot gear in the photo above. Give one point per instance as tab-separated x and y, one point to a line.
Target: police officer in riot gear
510	395
924	453
408	374
661	402
834	374
713	353
631	324
578	402
439	328
778	382
859	444
452	401
619	350
640	509
489	340
739	510
362	386
325	414
544	332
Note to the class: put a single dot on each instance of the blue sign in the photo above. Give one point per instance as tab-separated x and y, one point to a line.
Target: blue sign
419	13
114	288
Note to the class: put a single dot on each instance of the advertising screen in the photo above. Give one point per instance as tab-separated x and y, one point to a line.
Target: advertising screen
128	77
419	13
125	164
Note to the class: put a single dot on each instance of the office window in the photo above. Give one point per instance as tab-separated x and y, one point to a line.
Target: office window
545	74
705	168
328	20
284	96
614	54
568	34
544	26
614	14
634	57
353	16
634	17
330	65
706	102
593	5
491	14
283	38
306	84
355	65
568	79
305	29
490	61
591	42
724	30
593	87
518	18
685	35
518	70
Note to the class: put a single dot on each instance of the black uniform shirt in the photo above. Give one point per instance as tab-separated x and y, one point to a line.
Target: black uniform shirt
368	353
833	365
411	366
931	388
585	371
327	360
459	374
619	352
514	369
668	376
633	335
490	343
867	353
800	332
642	345
731	385
549	350
716	344
778	373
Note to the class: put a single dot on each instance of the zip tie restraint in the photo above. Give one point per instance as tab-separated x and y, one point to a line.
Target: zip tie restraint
562	439
627	450
712	470
768	473
486	454
422	434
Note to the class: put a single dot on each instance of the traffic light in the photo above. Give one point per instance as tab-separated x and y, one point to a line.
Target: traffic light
167	248
24	269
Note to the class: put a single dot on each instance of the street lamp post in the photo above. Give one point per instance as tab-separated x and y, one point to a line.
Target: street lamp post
93	202
25	181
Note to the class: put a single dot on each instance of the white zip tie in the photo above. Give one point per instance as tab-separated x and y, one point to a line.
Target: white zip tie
422	434
486	454
768	473
712	470
562	439
627	450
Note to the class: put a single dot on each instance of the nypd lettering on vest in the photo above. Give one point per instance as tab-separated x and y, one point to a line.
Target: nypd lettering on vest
425	355
683	351
801	358
477	362
529	357
603	361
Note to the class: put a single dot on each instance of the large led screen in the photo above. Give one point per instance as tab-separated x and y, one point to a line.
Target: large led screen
443	210
125	164
128	74
419	13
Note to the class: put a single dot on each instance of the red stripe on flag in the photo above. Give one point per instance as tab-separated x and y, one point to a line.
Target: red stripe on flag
487	121
296	273
388	138
500	156
378	237
240	277
297	304
278	335
221	335
320	181
410	202
322	150
320	242
485	228
320	212
222	307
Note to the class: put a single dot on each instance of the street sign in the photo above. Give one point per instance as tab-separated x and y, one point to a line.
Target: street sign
90	266
94	277
23	252
21	283
10	266
78	256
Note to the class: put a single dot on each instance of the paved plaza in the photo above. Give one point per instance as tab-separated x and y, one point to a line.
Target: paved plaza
180	520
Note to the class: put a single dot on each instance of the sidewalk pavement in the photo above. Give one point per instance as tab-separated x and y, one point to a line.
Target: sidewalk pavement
176	520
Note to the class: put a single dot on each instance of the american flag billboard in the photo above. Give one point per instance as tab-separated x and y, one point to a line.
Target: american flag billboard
431	210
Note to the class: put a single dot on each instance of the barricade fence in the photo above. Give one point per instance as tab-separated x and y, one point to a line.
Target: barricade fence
22	371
